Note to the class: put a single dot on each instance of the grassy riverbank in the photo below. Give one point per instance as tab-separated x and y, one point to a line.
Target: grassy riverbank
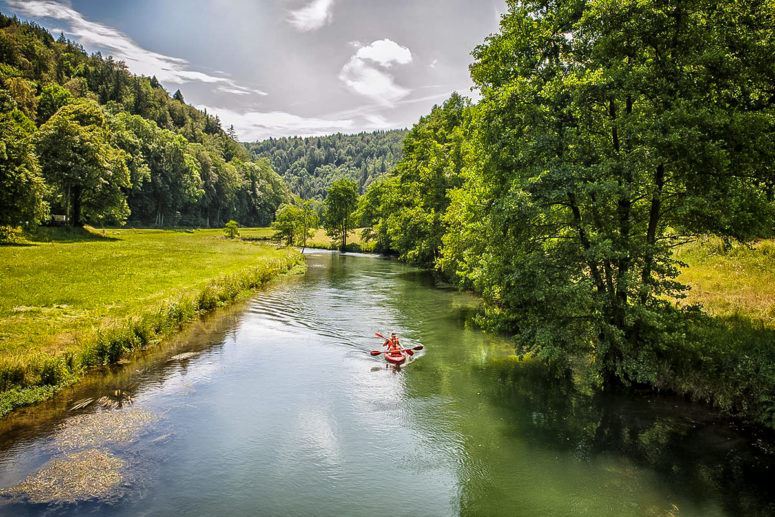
727	357
74	299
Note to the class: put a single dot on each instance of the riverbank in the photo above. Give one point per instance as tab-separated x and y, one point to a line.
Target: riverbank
723	354
72	299
319	239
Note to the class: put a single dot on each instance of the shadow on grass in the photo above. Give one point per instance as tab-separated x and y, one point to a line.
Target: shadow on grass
66	234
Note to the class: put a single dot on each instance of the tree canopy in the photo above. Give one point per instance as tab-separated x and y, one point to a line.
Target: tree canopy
340	204
184	169
310	165
606	130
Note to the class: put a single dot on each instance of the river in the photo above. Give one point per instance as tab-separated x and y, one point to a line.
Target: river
276	407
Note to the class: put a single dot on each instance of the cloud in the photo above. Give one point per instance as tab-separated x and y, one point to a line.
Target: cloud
366	71
385	52
167	69
313	16
254	125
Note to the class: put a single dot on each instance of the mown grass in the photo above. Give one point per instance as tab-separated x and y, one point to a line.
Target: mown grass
70	299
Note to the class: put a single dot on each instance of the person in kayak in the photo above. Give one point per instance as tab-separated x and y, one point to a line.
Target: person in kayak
394	347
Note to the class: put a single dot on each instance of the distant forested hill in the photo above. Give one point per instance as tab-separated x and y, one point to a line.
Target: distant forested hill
310	165
80	135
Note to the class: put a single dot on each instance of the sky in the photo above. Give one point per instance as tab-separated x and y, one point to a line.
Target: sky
287	67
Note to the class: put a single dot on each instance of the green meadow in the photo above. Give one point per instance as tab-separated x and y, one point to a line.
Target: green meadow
73	298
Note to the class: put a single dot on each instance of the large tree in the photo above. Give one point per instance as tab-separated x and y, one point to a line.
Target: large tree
341	202
603	125
22	189
90	174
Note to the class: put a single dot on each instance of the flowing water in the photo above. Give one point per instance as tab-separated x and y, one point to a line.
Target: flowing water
276	407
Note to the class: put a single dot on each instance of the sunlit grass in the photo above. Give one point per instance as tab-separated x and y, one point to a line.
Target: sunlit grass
50	290
74	298
731	280
354	241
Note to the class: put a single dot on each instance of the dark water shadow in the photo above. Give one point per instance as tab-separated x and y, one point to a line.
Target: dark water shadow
694	450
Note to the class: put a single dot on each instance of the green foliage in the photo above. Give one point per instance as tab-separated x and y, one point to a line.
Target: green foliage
340	205
231	230
77	158
592	146
310	165
51	99
294	223
286	224
22	189
405	212
183	168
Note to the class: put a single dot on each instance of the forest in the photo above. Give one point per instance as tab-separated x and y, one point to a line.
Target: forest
310	165
83	138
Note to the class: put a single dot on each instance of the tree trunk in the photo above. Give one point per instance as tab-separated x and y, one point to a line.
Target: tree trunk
76	205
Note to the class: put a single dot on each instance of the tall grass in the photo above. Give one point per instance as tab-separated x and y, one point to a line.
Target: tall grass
90	298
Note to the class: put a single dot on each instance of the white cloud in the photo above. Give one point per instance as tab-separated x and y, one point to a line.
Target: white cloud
434	63
254	125
167	69
385	52
366	71
313	16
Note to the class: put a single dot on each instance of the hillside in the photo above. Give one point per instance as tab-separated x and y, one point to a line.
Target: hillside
83	137
310	165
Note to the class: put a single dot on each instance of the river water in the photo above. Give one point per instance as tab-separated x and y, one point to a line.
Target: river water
276	407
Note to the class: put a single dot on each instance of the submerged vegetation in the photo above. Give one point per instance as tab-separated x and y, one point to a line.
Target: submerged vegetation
63	307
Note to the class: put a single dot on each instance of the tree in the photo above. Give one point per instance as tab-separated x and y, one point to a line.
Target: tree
51	99
22	189
88	172
309	220
294	222
286	224
340	204
602	125
231	229
411	217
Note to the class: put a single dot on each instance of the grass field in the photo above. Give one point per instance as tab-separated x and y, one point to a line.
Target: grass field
85	297
731	280
319	239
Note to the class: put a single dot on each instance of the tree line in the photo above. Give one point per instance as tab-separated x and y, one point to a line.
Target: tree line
83	137
310	165
606	132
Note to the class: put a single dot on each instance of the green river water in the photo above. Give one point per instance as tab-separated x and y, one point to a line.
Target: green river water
276	407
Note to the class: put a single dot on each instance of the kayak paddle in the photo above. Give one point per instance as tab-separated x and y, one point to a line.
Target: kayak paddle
407	350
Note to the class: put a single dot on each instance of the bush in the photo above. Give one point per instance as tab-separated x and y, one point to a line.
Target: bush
231	229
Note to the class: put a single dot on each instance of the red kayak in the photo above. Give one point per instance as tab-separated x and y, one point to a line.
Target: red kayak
395	357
